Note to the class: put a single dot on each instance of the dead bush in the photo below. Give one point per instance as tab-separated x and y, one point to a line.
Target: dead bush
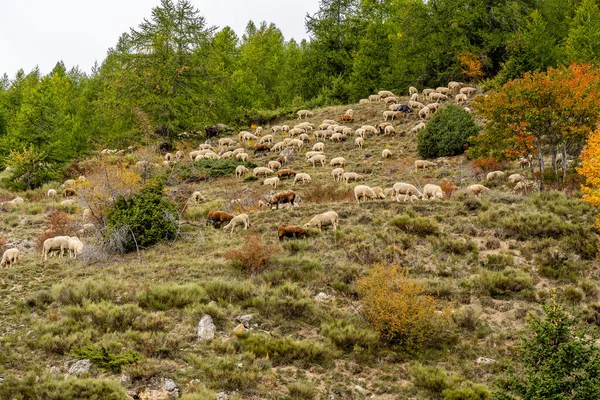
58	223
253	256
331	193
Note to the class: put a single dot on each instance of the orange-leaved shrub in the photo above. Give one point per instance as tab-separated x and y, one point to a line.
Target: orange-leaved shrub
486	164
253	256
58	223
448	188
399	308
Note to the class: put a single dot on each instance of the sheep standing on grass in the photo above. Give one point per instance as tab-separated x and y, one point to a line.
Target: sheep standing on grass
386	153
378	192
304	113
75	246
389	130
236	221
290	231
325	219
319	146
273	182
264	171
197	197
55	244
477	189
460	98
417	128
359	142
409	191
515	178
495	175
424	164
431	191
10	257
51	193
303	177
351	175
338	161
317	159
365	192
337	174
240	171
374	97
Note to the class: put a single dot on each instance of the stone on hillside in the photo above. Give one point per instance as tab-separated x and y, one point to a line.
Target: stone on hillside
323	297
80	367
222	396
483	360
245	320
206	328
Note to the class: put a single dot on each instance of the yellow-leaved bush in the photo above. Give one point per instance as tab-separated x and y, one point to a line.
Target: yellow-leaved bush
590	168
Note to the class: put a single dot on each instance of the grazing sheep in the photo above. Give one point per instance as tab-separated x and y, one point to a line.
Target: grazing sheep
431	191
290	231
274	165
67	203
296	143
414	97
460	98
10	257
433	107
523	186
178	155
329	121
363	101
454	85
477	189
281	198
277	147
416	104
227	154
325	219
351	175
266	139
304	137
390	99
304	177
369	128
336	137
51	193
427	92
359	142
386	153
273	182
258	131
365	192
75	246
424	112
385	93
514	178
443	90
360	133
54	244
168	157
283	160
389	130
495	175
286	173
412	91
226	142
374	97
524	162
310	154
296	131
197	197
261	148
236	221
304	113
378	192
318	158
68	192
242	156
205	146
248	137
68	183
389	114
409	191
424	164
276	129
240	171
262	171
319	146
217	218
468	90
337	174
418	127
341	161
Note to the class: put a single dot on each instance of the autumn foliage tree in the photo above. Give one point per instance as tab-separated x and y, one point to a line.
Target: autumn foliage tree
398	308
590	168
543	111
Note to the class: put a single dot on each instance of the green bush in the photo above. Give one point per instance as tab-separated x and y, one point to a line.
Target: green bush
222	290
35	387
76	292
146	218
432	379
416	226
502	283
103	358
302	391
447	133
345	335
469	392
209	168
284	350
165	296
497	262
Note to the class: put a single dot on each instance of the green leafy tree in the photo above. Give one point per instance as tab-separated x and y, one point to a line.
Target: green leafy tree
583	41
560	360
29	168
447	133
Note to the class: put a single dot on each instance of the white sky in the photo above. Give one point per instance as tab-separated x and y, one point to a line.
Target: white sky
79	32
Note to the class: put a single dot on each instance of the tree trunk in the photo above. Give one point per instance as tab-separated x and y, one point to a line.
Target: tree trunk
564	163
541	161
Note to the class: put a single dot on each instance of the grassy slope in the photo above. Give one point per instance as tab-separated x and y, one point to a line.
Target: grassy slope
152	305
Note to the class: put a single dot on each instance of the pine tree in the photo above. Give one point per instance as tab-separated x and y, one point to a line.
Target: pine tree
583	41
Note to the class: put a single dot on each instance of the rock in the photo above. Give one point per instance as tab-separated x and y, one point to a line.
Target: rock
124	379
206	328
245	319
170	386
323	297
212	303
80	367
131	395
238	329
152	394
54	371
483	360
222	396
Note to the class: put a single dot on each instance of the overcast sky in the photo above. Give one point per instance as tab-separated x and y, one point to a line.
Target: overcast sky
79	32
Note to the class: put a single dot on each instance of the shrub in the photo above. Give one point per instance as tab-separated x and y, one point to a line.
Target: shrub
469	392
556	264
206	168
573	295
447	133
302	391
416	226
497	262
30	168
221	290
103	358
483	164
448	188
397	307
319	193
467	317
148	216
284	350
502	283
225	373
345	335
455	246
76	292
165	296
432	379
58	223
253	256
35	387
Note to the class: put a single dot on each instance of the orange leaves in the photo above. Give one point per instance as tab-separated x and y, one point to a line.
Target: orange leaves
472	66
398	307
253	256
590	168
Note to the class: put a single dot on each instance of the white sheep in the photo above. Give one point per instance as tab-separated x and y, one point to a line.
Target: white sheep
414	97
416	104
495	175
514	178
226	142
389	130
248	137
273	182
386	153
304	137
68	183
389	114
341	161
51	193
359	142
304	113
454	85
178	155
424	164
460	98
329	121
242	157
424	112
266	139
54	244
365	192
409	191
236	221
444	90
360	132
379	192
412	91
323	127
336	137
523	186
390	100
431	191
310	154
10	257
277	147
351	175
363	101
321	134
477	189
296	131
370	128
385	93
318	158
427	92
319	146
197	197
468	90
168	157
321	220
302	176
418	127
240	171
437	96
205	146
374	97
67	203
347	131
276	128
258	131
337	174
262	171
296	143
227	154
75	246
238	151
274	165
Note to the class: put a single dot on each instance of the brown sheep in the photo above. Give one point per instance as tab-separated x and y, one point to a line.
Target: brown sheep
261	147
217	218
68	192
290	231
282	160
286	173
281	198
346	118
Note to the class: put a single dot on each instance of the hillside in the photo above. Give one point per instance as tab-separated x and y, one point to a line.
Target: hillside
490	262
